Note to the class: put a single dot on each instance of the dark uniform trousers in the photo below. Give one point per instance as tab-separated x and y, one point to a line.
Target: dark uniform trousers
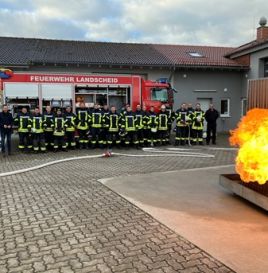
140	136
211	129
103	136
197	136
49	138
131	137
111	138
162	136
25	140
59	141
83	139
39	142
96	136
181	134
70	139
146	136
6	134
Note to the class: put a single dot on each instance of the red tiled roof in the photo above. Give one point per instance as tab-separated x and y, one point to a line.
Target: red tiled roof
212	56
247	46
25	51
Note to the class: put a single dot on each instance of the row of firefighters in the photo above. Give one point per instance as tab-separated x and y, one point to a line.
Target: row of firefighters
105	127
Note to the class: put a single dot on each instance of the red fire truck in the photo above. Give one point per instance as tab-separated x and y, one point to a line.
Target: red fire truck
62	90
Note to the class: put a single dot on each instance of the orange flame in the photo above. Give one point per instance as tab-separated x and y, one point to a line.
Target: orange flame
252	138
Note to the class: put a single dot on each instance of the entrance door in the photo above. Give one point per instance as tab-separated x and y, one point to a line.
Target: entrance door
204	102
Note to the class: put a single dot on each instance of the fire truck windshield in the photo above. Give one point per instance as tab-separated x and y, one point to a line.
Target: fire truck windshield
159	94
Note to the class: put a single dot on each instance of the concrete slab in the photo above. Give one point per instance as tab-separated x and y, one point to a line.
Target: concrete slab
192	203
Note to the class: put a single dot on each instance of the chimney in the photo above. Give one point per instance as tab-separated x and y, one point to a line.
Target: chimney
262	30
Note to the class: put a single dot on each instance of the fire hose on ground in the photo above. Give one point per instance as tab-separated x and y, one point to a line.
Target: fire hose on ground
157	153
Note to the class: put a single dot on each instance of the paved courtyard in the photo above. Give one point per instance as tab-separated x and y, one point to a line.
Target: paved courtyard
61	219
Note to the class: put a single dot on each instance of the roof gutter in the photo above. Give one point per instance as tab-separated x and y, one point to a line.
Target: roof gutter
150	66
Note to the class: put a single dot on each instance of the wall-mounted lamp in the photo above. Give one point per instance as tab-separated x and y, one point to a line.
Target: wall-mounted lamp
225	90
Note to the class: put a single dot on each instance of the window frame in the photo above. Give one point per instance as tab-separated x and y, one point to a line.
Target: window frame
195	54
153	90
244	106
265	67
227	115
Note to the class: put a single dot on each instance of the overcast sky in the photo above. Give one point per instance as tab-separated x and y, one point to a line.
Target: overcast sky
198	22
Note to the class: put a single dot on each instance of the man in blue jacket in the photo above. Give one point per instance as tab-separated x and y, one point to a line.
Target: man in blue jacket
6	124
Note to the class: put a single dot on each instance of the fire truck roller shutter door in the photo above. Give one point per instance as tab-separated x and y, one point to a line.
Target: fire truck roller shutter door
57	91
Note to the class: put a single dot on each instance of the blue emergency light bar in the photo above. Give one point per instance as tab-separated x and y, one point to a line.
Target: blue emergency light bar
163	80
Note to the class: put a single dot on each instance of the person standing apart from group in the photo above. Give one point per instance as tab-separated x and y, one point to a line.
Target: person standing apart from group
6	124
211	117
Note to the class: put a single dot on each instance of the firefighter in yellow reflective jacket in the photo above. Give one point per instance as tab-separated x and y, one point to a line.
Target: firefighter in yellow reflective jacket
82	121
182	125
140	123
163	121
152	125
128	124
190	111
59	132
24	123
70	121
171	118
48	127
146	130
38	131
111	123
96	124
104	131
198	117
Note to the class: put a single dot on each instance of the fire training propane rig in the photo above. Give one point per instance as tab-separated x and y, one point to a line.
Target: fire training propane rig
251	180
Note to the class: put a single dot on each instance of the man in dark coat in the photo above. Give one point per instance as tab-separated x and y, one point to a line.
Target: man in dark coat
6	123
211	117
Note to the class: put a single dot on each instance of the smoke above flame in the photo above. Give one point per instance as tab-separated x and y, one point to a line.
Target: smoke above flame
252	138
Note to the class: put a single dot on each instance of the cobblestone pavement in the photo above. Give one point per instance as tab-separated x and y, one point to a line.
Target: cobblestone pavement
61	219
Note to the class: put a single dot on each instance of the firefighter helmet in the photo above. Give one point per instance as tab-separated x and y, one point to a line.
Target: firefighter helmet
122	132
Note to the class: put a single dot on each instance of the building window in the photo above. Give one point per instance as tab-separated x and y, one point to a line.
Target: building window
225	107
244	106
265	67
196	54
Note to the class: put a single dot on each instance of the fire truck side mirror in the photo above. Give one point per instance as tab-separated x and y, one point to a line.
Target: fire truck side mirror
170	96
